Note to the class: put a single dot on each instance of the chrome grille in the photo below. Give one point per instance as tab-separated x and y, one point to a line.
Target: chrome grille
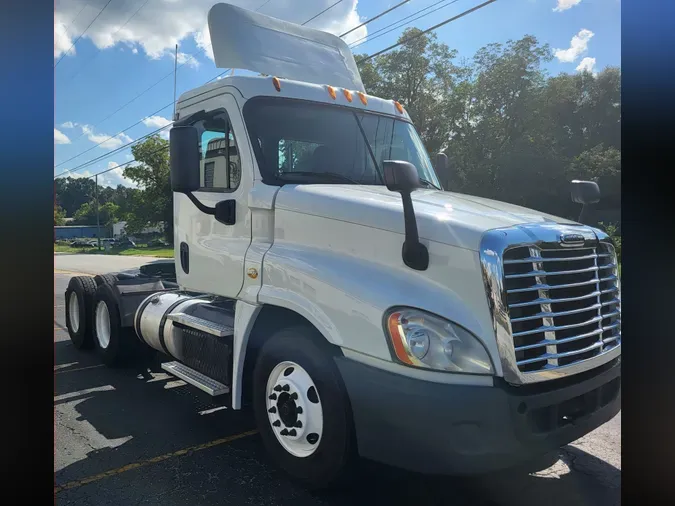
563	304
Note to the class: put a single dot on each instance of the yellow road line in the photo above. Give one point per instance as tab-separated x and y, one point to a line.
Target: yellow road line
72	273
154	460
78	369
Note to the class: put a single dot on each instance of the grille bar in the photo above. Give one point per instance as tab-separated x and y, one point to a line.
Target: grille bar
530	260
555	328
539	301
546	342
544	286
559	273
548	356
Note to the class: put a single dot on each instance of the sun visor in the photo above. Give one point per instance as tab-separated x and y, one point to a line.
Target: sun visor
247	40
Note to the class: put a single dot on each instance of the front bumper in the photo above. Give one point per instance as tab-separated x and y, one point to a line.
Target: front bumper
466	430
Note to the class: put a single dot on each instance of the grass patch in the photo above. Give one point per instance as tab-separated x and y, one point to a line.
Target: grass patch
139	250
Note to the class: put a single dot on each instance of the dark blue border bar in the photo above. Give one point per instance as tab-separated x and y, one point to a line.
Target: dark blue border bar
26	200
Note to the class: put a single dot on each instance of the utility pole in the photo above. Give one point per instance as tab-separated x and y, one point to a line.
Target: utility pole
175	71
98	223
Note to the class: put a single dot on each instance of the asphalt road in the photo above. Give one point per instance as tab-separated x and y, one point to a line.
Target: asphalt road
138	436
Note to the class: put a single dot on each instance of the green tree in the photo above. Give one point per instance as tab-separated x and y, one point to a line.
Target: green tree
59	216
86	214
422	75
154	202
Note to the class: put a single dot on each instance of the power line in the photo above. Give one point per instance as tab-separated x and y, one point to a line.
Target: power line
435	27
85	30
373	36
376	17
319	14
114	136
113	34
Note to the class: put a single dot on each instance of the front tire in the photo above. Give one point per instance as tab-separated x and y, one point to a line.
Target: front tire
301	407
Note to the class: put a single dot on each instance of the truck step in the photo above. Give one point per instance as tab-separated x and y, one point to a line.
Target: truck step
208	326
194	378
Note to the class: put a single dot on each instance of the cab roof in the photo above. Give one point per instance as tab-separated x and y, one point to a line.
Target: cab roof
256	86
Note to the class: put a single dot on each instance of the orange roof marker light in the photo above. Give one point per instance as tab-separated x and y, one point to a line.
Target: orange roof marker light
348	95
331	92
277	83
399	107
362	96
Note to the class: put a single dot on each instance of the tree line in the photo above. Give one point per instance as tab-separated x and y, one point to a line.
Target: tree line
511	131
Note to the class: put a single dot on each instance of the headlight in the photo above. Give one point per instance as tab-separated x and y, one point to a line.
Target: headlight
424	340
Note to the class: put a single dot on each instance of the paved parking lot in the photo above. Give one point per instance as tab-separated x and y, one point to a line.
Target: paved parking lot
138	436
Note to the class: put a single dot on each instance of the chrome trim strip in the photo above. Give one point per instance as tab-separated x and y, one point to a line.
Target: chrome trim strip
542	236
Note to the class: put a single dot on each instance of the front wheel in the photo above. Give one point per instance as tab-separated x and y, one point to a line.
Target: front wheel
301	407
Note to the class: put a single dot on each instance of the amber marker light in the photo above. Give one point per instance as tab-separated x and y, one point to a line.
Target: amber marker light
399	107
348	95
397	338
363	98
277	83
331	92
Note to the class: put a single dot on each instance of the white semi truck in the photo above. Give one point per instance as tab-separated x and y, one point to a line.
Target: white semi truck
323	277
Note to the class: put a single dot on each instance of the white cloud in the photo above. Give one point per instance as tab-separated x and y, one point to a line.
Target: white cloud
183	58
578	46
105	140
159	26
563	5
62	40
134	50
68	124
156	121
60	137
115	177
587	64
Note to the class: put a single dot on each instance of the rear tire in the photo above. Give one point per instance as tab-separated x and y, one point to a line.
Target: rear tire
79	300
320	449
116	345
108	279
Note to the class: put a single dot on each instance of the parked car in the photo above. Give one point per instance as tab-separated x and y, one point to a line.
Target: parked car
81	243
157	243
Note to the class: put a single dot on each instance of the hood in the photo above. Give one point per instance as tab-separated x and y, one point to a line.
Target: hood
445	217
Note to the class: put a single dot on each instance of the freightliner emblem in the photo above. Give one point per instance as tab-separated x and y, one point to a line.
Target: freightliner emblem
571	239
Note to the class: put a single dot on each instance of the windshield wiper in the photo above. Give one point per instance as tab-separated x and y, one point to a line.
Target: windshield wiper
429	184
321	175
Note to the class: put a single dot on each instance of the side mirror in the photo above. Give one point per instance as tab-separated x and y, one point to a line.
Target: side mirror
585	193
442	168
402	177
184	159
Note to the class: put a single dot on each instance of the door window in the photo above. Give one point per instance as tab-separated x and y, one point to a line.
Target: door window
220	164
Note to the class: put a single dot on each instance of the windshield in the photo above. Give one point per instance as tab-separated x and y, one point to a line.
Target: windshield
303	142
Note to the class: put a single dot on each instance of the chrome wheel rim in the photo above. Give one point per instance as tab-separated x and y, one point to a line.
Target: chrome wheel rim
74	312
294	409
102	325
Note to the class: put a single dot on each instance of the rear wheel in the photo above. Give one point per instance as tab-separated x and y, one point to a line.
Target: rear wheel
116	345
79	299
302	409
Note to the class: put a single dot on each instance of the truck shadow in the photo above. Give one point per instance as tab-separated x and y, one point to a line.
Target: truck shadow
107	419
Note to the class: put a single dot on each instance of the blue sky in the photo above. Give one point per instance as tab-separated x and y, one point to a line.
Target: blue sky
130	46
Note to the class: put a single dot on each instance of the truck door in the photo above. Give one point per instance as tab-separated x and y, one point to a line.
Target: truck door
210	253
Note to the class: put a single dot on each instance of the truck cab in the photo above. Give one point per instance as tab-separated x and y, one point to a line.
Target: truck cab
325	277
